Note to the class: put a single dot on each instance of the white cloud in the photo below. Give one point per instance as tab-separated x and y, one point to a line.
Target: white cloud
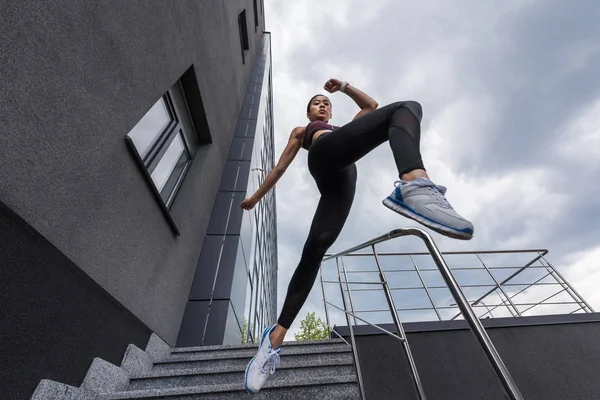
583	272
459	59
580	138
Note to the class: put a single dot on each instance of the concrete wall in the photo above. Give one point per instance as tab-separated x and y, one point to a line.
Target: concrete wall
54	318
76	77
549	357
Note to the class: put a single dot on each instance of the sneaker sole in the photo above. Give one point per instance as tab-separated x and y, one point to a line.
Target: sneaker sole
262	339
439	228
246	377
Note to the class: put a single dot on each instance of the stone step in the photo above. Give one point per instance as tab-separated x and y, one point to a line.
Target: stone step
305	355
251	351
324	387
157	379
299	343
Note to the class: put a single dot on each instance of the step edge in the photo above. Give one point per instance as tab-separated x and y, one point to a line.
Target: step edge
157	348
105	377
250	345
225	356
49	389
173	373
136	360
236	387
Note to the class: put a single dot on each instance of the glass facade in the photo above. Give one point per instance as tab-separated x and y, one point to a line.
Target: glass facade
234	292
260	307
259	226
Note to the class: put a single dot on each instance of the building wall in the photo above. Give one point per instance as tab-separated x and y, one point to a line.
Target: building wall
549	357
54	318
236	277
76	78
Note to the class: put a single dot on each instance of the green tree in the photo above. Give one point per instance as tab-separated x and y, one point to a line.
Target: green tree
244	330
312	328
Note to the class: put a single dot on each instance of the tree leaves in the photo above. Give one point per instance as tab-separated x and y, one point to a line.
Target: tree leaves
312	328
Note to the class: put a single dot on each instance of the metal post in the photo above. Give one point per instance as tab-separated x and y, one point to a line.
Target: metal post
473	304
567	283
523	268
325	303
349	292
487	308
512	297
499	286
351	331
474	323
425	286
400	329
502	372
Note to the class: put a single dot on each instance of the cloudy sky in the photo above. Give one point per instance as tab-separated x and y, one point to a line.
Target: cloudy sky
511	98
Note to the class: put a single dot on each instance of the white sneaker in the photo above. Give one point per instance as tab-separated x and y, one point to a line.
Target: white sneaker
263	363
424	202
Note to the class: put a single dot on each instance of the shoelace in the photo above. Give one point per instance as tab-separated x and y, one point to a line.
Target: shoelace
271	362
437	191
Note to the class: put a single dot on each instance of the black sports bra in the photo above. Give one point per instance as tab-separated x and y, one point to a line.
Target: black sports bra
314	127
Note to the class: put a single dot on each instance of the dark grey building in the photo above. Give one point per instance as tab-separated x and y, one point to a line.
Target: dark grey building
131	132
235	285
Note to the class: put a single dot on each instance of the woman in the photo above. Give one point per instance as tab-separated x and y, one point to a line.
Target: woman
332	153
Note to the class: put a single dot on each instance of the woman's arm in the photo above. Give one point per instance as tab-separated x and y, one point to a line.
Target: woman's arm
288	155
364	101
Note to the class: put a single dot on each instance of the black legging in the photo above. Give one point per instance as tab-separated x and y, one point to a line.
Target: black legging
331	163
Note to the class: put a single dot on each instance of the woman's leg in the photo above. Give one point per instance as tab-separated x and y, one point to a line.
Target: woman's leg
399	123
337	194
416	196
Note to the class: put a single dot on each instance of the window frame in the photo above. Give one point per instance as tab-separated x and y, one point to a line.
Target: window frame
255	15
160	145
180	99
243	30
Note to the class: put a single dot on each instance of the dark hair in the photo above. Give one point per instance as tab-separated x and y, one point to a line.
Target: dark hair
312	98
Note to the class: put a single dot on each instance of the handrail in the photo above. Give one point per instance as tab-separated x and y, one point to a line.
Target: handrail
399	328
564	281
340	336
367	322
475	325
512	275
390	235
325	299
361	386
424	253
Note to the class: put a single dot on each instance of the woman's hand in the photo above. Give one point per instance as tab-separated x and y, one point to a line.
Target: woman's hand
333	85
366	103
249	203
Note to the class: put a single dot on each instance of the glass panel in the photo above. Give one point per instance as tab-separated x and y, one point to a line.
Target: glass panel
246	238
258	236
184	116
170	187
145	132
167	164
233	330
239	284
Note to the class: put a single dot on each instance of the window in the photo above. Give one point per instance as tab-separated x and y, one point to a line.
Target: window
255	16
167	137
243	27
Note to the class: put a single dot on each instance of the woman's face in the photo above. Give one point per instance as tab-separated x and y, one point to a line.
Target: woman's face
320	109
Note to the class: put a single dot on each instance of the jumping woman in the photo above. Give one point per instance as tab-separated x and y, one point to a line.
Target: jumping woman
332	154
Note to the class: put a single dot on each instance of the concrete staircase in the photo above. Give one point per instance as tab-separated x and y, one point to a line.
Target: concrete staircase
321	369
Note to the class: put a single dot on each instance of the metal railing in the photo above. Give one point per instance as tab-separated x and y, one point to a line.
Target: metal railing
513	289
